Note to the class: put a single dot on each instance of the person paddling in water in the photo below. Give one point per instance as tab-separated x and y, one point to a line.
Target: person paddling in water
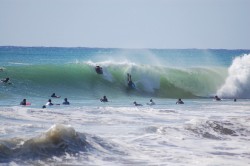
151	102
66	102
54	96
24	102
217	98
6	80
137	104
179	101
49	103
104	99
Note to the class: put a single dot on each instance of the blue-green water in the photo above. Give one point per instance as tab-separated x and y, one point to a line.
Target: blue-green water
89	132
38	72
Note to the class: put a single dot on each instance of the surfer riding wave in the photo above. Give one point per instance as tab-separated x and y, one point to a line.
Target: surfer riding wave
130	82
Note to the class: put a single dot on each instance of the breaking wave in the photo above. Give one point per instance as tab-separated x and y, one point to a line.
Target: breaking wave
57	141
238	80
81	79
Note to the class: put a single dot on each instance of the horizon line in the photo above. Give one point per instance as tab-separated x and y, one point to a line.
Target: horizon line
124	48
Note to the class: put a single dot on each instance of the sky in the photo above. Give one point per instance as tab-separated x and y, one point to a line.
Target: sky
175	24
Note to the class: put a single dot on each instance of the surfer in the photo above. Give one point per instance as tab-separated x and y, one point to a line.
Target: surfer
23	102
137	104
98	70
54	96
6	80
179	101
235	100
130	82
49	103
66	102
151	102
104	99
217	98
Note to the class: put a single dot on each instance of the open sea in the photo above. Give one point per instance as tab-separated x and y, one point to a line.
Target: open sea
201	131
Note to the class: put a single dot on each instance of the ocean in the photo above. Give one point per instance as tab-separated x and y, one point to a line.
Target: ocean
201	131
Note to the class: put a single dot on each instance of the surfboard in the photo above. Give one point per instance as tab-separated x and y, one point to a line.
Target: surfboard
132	86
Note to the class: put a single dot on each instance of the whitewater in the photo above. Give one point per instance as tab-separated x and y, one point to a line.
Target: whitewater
201	131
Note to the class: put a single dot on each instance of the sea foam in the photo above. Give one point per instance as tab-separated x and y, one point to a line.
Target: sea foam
238	80
58	140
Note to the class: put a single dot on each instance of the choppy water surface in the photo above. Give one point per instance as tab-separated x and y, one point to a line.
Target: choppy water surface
200	132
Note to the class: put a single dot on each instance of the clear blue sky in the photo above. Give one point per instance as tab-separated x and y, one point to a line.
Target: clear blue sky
126	23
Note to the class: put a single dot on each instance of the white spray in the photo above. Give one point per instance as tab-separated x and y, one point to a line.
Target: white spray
237	84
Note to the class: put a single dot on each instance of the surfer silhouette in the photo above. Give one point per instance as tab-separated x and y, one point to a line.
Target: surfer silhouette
137	104
151	102
179	101
98	70
23	102
104	99
6	80
217	98
54	95
130	82
66	102
49	103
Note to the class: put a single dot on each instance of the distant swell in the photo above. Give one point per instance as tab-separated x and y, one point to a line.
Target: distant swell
237	84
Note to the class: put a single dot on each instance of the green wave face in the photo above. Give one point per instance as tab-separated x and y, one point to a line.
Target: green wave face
81	79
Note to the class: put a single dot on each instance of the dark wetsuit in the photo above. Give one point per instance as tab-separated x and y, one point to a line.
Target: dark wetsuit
66	103
23	102
104	99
